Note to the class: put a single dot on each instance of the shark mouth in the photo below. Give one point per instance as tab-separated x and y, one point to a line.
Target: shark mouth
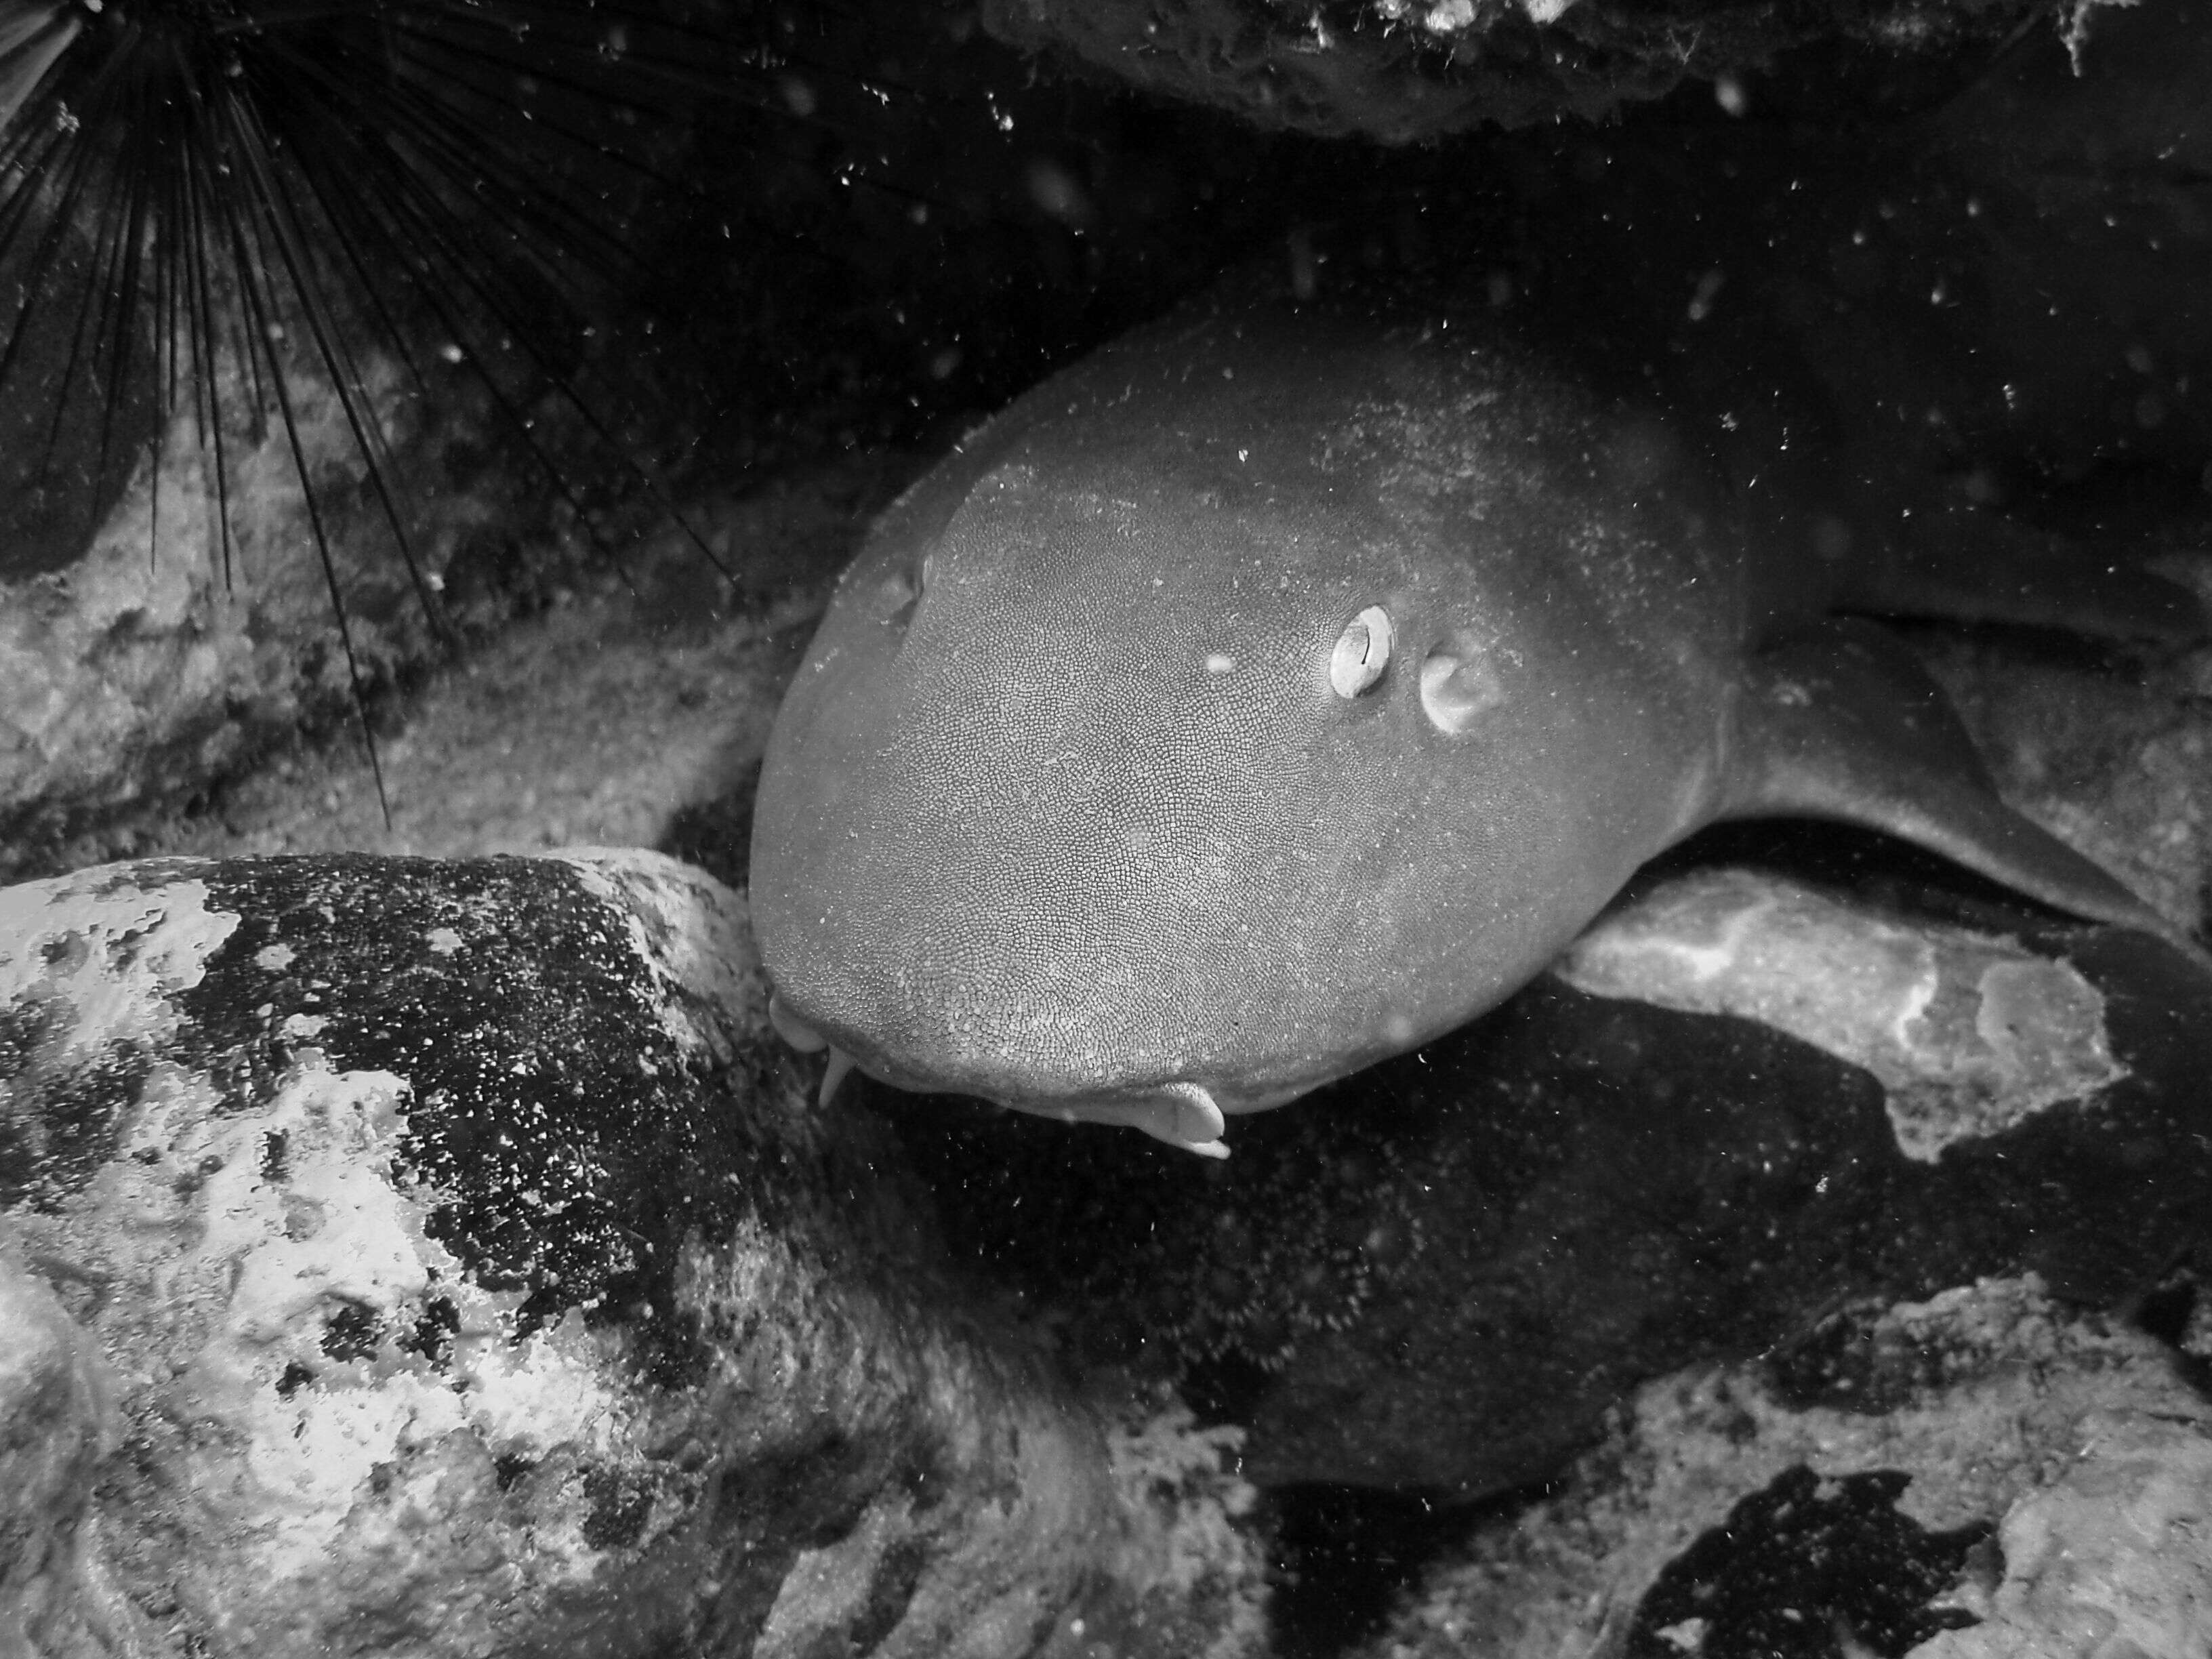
1183	1114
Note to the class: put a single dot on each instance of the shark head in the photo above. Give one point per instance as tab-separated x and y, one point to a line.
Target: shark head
1176	749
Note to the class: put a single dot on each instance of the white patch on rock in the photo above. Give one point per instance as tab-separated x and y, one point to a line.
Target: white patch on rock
2111	1558
114	952
298	1217
1968	1035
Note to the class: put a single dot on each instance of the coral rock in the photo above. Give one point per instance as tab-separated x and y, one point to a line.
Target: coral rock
467	1278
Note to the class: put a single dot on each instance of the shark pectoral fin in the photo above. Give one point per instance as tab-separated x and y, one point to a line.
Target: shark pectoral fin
1841	722
1184	1116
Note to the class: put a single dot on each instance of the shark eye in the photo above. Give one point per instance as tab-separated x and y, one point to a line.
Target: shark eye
896	595
1362	653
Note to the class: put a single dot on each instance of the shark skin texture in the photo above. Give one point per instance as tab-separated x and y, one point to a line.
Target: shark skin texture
1290	682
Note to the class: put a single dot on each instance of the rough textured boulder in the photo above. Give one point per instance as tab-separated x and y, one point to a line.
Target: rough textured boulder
1983	1476
401	1255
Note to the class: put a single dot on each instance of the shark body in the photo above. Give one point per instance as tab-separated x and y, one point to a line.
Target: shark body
1285	684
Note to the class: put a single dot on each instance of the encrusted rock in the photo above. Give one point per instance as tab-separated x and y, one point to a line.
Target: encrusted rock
2110	1556
1406	70
55	1424
398	1254
170	651
2025	1484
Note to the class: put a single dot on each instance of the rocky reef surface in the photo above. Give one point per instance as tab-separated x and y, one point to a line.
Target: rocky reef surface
404	1256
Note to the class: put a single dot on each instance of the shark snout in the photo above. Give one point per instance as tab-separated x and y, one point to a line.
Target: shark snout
1066	827
980	874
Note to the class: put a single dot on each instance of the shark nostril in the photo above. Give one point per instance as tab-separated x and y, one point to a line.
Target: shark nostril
1361	653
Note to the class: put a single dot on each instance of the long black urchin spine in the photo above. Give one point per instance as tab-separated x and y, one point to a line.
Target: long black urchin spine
218	202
